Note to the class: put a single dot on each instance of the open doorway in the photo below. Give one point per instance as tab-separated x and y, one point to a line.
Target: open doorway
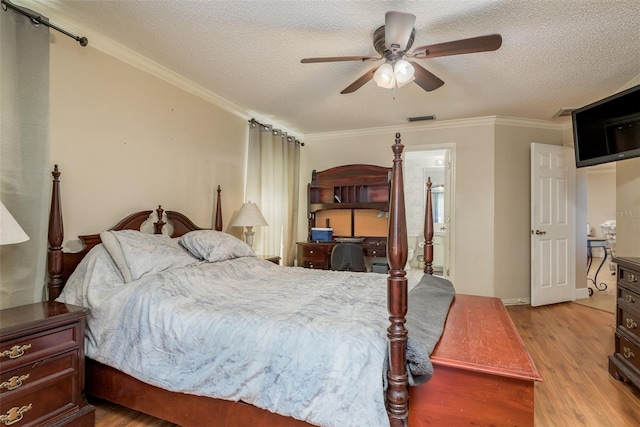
437	163
601	225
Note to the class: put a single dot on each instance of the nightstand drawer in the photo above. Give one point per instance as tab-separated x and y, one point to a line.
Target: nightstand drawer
35	373
16	353
40	405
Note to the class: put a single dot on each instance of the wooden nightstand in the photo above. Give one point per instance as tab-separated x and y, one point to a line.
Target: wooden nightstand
272	258
42	366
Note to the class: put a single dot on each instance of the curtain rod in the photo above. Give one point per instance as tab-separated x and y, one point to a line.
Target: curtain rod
37	19
255	122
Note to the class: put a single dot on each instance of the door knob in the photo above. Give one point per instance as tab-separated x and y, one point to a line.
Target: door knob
538	232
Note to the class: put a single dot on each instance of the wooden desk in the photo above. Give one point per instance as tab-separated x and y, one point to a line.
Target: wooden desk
318	254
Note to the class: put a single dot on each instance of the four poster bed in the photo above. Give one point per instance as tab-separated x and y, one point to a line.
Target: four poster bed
479	372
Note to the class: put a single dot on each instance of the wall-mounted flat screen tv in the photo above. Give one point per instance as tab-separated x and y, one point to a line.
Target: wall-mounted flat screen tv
608	130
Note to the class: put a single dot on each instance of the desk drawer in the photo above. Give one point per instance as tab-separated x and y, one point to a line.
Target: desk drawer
375	252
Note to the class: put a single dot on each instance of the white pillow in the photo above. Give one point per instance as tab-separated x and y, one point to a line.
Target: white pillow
215	246
113	247
138	254
96	271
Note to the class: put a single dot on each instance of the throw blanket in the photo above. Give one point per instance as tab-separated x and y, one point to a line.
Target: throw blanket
303	343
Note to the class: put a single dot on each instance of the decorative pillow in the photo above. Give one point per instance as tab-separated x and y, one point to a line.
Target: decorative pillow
215	246
143	254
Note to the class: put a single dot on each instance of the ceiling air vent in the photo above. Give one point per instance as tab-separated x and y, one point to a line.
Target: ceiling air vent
421	118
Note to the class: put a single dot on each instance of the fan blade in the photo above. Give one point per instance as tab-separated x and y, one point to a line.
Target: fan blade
426	79
397	29
458	47
339	58
360	82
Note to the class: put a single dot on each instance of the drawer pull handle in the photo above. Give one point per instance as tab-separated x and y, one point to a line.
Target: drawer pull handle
631	324
632	278
14	414
627	353
310	252
15	351
14	382
629	298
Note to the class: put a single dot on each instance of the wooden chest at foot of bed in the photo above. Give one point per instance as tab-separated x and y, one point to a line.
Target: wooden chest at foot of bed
483	374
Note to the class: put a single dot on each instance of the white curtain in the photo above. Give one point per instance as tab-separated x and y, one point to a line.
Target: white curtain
273	171
24	154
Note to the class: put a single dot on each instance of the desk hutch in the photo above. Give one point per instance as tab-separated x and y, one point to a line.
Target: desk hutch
349	189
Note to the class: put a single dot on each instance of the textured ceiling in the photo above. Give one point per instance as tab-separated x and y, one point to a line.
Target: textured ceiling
555	54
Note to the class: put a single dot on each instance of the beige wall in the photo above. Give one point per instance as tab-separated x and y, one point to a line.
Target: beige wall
512	220
628	208
492	187
128	141
601	198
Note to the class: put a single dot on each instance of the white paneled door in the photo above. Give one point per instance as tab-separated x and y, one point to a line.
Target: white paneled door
552	224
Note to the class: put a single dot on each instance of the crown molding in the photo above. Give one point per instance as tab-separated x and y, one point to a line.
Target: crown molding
121	52
444	124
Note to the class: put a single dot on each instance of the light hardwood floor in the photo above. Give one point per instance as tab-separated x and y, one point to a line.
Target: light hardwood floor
569	343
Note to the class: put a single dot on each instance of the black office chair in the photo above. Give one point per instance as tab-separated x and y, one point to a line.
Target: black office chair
347	257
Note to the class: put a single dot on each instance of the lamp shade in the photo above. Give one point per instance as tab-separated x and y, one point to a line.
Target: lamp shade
249	216
10	230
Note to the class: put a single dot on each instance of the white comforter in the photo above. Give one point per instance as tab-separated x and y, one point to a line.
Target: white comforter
303	343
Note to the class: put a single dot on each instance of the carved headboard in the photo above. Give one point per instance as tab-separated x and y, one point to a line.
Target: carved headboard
61	264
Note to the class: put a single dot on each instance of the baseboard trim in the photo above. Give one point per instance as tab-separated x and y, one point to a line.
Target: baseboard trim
516	301
582	293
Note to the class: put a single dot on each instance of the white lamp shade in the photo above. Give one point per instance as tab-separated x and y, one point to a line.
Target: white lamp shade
384	76
10	230
249	216
403	72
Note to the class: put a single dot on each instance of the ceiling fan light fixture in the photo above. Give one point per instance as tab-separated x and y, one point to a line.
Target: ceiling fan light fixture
403	72
384	76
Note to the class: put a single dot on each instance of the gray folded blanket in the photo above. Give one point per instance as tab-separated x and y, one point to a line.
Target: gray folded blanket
429	303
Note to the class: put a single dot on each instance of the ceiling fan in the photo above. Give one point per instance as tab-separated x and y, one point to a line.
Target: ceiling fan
393	41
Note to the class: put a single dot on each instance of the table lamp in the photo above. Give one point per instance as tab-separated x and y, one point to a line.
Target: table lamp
249	216
10	230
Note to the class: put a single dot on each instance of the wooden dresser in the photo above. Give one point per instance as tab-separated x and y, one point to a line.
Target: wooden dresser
42	366
624	364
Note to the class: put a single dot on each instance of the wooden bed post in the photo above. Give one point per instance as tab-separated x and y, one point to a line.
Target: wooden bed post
397	251
55	237
218	218
428	231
